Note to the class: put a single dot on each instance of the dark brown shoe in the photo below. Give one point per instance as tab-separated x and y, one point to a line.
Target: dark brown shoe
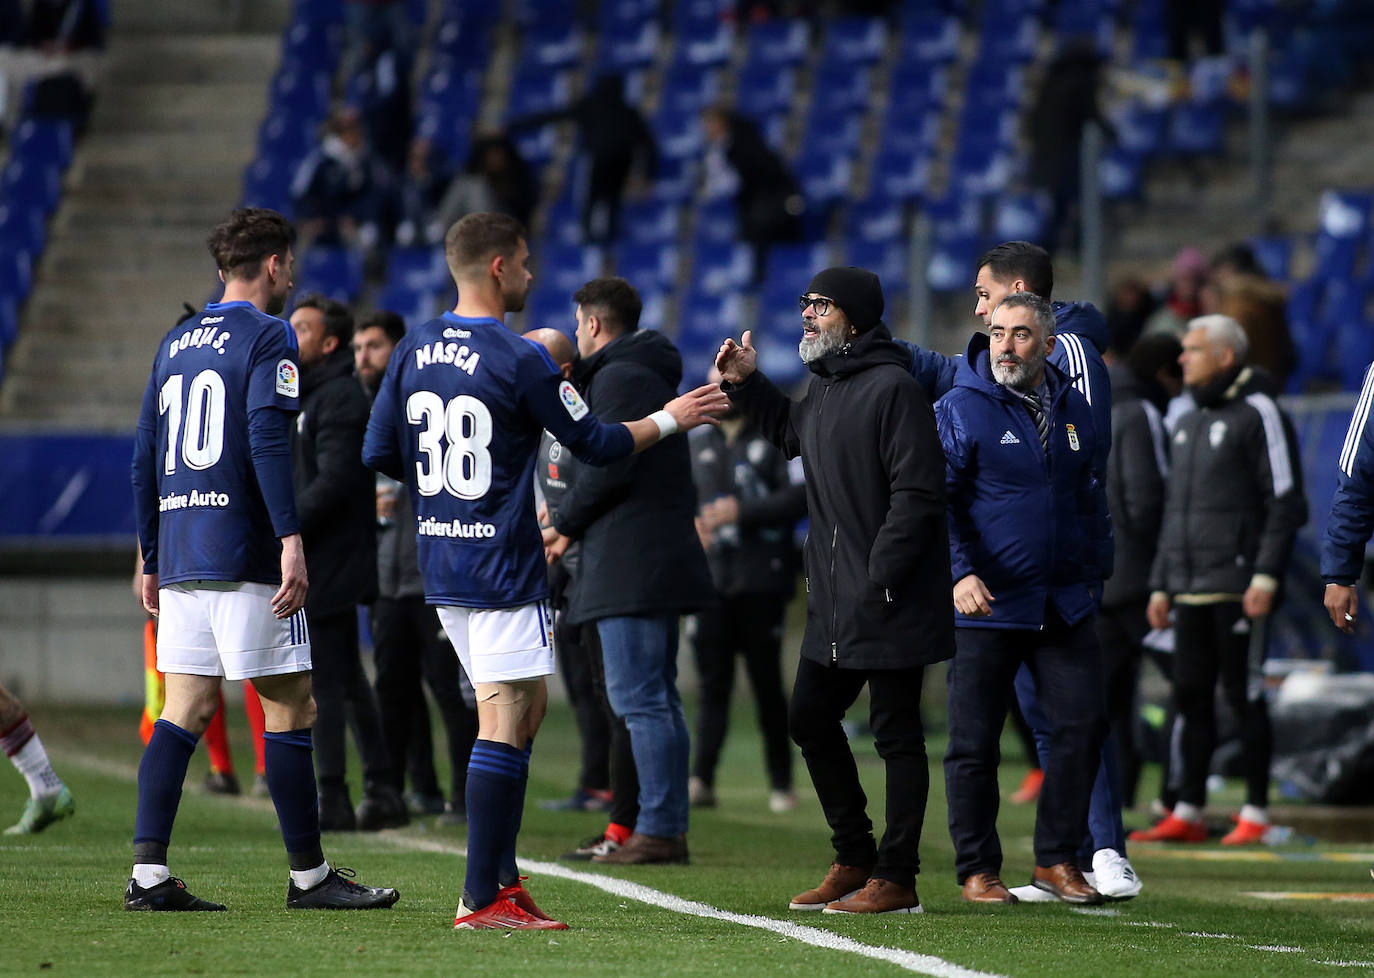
987	888
878	896
640	849
840	883
1065	882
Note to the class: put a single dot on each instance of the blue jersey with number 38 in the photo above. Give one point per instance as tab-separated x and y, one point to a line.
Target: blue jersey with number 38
201	513
458	418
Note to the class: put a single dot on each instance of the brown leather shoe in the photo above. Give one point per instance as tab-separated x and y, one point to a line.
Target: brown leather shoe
1065	882
987	888
839	883
640	849
878	896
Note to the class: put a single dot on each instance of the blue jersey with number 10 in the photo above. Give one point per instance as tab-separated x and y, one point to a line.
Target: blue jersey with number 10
458	418
201	513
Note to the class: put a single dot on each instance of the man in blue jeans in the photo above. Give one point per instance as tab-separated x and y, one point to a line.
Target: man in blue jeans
1029	537
643	566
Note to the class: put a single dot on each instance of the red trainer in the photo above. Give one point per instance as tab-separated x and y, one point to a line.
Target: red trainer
1171	828
502	914
1245	833
1030	787
518	895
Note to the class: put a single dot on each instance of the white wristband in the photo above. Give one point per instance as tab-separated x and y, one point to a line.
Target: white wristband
667	424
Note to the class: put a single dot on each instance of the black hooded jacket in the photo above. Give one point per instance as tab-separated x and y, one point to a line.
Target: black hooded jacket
335	493
877	554
1136	471
635	517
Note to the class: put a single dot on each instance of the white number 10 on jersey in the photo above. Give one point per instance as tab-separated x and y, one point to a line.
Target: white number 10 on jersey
202	443
463	467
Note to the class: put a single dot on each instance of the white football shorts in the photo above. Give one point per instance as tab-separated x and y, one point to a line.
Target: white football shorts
223	628
499	645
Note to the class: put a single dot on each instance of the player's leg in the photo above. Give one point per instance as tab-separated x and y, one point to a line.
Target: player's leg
189	661
506	653
221	780
49	800
275	654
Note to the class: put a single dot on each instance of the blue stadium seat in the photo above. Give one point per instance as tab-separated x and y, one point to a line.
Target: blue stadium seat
552	45
304	93
720	268
716	221
16	277
1076	20
267	183
286	138
615	15
1122	174
910	130
765	89
566	268
678	134
1007	38
901	174
656	302
951	262
334	271
43	141
452	135
549	307
855	40
466	39
825	178
417	269
36	185
1345	213
841	89
776	343
1149	41
676	181
687	89
789	267
1196	130
451	88
1334	258
828	134
878	217
631	47
778	43
708	49
535	91
917	88
929	39
1209	79
22	230
888	260
699	16
9	317
647	265
1022	217
312	48
650	222
1139	128
980	170
415	306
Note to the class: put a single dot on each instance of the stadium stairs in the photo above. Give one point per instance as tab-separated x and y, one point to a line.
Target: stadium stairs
174	123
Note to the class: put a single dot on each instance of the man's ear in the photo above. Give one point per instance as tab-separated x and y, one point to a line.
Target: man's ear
330	344
497	266
1019	285
1050	341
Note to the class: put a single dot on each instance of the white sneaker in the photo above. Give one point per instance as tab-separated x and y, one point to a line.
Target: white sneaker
1113	876
700	794
781	802
1033	894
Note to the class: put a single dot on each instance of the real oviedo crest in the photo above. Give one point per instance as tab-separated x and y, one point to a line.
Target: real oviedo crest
1072	432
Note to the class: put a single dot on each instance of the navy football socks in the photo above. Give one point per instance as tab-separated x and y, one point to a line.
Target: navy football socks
495	796
509	873
291	783
161	773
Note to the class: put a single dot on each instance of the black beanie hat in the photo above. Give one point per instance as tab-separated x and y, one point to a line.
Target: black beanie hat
855	290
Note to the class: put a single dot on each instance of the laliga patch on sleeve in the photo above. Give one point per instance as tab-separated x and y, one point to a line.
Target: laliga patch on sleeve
572	401
288	379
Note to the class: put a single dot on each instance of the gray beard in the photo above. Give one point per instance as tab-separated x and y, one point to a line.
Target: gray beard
822	345
1019	376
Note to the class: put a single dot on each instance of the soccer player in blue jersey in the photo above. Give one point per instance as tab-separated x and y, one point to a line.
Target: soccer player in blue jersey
223	564
459	417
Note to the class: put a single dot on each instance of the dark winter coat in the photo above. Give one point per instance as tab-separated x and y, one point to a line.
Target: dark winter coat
1032	525
635	517
335	493
1234	502
1136	471
877	562
754	555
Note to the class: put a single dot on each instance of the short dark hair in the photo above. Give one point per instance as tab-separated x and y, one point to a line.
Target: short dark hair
387	321
615	301
1154	352
1021	259
1040	308
480	237
338	321
248	237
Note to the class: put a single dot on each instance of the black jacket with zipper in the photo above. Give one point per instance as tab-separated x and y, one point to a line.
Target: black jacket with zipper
877	553
635	517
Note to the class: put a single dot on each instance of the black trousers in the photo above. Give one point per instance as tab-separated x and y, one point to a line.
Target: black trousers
624	775
410	647
1217	641
578	671
1066	664
1120	630
749	626
344	698
820	697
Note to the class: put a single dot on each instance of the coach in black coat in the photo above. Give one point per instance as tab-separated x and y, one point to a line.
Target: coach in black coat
336	500
877	569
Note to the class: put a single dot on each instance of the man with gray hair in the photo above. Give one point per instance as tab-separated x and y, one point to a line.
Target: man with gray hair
1233	505
1029	539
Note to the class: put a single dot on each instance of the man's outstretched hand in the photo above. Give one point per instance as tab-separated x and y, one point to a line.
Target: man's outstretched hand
736	361
704	405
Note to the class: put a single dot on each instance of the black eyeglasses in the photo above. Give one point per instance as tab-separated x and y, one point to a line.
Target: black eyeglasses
821	303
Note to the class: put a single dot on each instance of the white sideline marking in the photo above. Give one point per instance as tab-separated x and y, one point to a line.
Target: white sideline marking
1277	948
1349	964
921	964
